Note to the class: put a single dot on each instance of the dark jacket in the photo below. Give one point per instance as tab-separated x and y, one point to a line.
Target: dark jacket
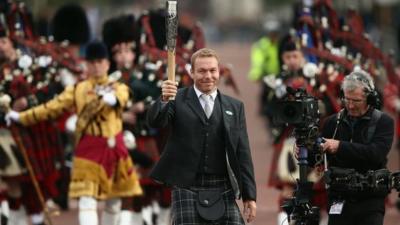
355	150
180	159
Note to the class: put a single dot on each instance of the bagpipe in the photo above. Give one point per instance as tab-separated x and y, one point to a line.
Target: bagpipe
59	54
39	59
338	45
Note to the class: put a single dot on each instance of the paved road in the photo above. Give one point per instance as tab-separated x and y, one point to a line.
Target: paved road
238	56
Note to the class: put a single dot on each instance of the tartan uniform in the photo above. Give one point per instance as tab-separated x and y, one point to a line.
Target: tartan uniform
145	86
42	145
184	202
41	141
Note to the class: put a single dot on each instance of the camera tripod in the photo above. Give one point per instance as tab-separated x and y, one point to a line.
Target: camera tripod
299	207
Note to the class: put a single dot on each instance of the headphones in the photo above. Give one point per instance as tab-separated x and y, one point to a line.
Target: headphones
373	98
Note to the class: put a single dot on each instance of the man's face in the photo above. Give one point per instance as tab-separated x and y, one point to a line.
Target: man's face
98	67
123	55
294	60
6	48
205	74
355	102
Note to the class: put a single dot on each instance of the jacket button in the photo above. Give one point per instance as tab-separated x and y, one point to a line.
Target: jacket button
206	134
206	202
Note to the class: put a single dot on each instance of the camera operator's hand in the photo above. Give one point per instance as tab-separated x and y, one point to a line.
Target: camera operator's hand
330	146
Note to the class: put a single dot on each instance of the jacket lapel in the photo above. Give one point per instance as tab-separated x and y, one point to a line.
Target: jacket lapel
194	104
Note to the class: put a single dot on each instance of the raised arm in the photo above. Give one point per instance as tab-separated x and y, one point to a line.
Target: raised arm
49	110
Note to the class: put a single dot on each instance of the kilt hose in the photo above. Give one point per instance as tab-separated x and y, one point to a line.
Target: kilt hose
184	202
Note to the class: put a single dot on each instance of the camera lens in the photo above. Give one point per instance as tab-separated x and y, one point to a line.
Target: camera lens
289	111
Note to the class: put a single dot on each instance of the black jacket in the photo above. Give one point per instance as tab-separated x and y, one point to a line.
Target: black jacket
355	150
178	164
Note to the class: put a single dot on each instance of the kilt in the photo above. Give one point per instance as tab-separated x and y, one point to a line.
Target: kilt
44	150
101	171
43	147
184	202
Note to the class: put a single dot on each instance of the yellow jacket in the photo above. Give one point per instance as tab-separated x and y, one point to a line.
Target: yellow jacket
107	123
264	59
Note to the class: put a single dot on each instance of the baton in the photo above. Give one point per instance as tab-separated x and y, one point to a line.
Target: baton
171	28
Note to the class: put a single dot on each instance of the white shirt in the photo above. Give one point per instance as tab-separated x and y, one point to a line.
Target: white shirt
213	96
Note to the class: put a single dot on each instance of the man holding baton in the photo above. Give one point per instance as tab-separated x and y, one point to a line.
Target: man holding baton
207	157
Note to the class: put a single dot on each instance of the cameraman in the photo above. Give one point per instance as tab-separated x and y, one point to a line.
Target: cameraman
359	137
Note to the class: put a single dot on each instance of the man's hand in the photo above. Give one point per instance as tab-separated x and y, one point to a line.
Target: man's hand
330	146
110	99
169	89
11	116
249	210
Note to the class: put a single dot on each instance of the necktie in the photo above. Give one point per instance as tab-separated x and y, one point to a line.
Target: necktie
207	106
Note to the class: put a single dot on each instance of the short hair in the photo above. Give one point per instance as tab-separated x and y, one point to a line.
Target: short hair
290	46
203	53
357	79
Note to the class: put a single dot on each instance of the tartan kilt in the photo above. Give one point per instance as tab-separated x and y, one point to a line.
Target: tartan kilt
44	149
184	203
148	146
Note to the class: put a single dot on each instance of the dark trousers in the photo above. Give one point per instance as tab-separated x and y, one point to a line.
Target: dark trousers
364	212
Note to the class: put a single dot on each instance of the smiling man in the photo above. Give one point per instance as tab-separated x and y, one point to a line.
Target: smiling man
207	157
359	138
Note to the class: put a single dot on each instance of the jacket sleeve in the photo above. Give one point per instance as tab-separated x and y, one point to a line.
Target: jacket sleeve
249	191
376	151
160	114
122	94
49	110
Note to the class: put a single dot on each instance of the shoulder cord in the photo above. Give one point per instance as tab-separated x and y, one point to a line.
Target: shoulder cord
338	118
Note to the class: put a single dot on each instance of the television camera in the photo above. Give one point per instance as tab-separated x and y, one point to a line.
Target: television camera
300	110
348	180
